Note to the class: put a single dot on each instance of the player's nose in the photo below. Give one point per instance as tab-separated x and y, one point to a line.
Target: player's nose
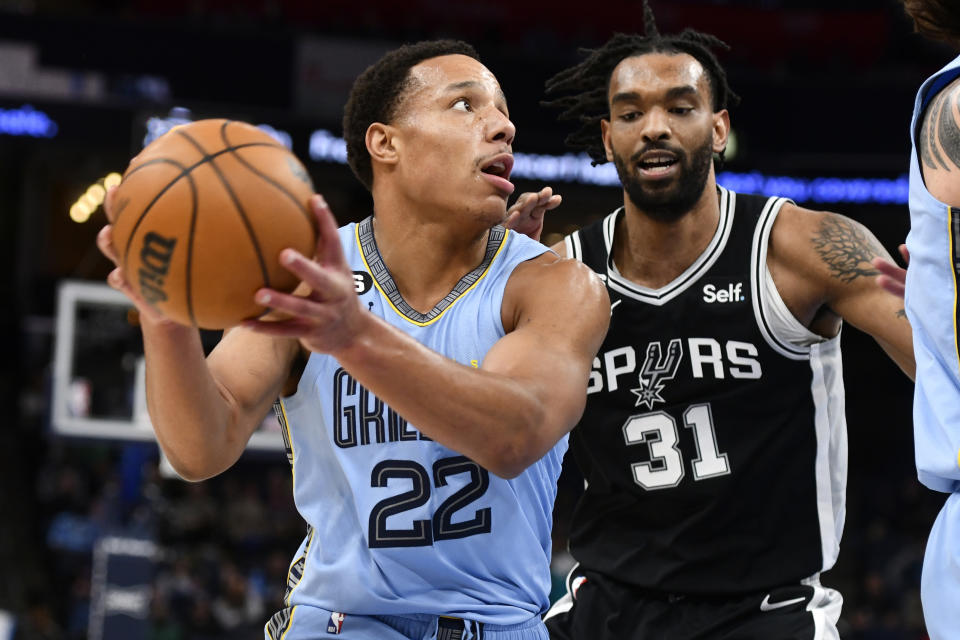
500	128
655	125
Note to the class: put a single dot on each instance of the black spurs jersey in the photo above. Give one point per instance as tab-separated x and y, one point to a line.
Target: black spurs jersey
714	440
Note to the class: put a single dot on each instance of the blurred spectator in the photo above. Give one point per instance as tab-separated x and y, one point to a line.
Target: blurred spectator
38	621
238	609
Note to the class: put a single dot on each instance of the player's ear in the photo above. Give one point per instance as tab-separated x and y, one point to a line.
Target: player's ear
382	143
605	134
721	130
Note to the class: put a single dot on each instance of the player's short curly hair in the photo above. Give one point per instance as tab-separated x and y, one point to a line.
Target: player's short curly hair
936	19
378	92
580	92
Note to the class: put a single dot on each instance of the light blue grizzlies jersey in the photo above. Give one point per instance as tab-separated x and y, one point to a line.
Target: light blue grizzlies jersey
399	524
931	304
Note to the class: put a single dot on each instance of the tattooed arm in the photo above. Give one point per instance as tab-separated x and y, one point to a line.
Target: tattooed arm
938	145
821	264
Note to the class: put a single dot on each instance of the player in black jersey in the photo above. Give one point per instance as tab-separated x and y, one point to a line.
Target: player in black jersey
714	441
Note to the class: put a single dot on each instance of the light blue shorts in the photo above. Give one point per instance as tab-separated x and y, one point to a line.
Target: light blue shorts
312	623
940	584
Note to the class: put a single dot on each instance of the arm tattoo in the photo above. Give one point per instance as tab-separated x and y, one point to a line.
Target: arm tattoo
902	313
941	131
846	248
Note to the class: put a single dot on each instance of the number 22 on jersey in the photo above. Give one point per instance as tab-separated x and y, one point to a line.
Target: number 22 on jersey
441	526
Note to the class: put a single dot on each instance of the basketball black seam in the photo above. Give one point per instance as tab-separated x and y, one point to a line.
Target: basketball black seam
184	172
194	214
205	158
306	212
236	203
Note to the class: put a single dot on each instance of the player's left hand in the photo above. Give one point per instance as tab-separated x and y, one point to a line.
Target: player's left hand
526	214
892	277
328	316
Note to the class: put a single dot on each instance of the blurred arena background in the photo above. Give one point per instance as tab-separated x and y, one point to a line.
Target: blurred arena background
97	540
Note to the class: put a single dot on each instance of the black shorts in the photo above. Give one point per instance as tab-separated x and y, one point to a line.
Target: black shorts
597	608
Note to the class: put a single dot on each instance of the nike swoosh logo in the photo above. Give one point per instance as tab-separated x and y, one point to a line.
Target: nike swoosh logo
766	605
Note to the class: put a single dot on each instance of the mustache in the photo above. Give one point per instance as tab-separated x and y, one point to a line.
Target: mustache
658	146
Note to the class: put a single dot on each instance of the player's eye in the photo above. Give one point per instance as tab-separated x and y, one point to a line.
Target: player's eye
462	104
681	111
629	116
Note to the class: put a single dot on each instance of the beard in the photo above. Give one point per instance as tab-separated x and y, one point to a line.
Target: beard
669	201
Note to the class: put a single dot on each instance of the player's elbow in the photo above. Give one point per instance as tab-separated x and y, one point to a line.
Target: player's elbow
522	446
193	468
508	466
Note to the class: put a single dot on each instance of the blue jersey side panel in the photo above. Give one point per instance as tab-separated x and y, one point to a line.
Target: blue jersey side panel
401	524
931	305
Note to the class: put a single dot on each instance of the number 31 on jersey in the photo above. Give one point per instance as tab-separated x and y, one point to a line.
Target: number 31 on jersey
658	430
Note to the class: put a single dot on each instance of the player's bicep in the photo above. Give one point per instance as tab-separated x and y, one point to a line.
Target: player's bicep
846	249
561	323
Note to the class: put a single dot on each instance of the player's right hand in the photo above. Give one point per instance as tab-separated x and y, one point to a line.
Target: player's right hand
116	278
526	214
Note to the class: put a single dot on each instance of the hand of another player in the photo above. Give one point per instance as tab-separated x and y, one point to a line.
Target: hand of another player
892	277
116	278
526	214
330	316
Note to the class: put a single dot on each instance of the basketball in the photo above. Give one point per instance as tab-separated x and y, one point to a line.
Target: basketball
201	216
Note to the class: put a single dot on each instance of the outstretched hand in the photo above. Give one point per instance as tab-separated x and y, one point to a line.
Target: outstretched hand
327	318
892	277
526	214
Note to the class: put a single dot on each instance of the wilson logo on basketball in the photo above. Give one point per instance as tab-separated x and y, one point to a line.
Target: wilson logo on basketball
155	262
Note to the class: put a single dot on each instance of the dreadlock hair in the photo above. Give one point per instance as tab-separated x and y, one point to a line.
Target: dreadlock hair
935	19
379	91
586	84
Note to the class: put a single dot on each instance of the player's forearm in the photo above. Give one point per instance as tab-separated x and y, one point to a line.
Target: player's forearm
488	417
190	416
902	356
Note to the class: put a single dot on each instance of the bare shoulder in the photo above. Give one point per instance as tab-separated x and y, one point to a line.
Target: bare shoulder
549	283
554	271
823	243
938	145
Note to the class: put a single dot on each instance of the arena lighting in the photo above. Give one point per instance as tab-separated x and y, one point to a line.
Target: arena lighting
89	200
79	212
733	145
97	192
569	167
112	180
27	121
92	198
157	126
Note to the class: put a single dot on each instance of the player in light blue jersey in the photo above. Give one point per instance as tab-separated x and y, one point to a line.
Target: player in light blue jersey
932	308
430	369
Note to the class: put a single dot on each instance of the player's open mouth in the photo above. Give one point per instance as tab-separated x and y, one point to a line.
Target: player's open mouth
655	164
496	170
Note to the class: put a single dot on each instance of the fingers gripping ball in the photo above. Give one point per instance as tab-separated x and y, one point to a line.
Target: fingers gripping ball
201	216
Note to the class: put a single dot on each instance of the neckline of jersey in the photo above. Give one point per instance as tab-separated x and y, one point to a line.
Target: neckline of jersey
373	261
679	284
